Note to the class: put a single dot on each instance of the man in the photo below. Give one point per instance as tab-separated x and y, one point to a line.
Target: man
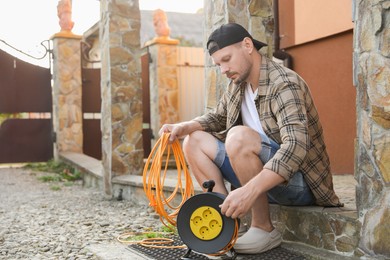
264	137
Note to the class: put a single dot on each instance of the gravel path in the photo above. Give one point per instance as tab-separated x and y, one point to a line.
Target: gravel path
37	222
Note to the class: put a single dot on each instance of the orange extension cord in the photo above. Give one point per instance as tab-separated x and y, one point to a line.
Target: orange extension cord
154	179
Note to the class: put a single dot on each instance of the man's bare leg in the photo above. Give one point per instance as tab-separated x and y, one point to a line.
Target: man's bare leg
200	149
243	146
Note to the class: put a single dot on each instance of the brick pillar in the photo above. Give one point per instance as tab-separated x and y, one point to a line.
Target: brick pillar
67	114
121	90
372	166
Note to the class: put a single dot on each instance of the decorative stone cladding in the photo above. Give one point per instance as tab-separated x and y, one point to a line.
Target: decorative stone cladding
67	116
372	167
121	90
330	229
164	89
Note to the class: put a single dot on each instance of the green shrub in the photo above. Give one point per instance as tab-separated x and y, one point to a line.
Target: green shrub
61	171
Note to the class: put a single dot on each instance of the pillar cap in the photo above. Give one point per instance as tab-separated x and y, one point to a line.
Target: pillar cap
66	34
162	40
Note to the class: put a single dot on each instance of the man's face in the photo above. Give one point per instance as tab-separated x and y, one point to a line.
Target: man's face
234	62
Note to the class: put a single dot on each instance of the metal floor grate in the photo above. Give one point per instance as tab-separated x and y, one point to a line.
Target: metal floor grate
278	253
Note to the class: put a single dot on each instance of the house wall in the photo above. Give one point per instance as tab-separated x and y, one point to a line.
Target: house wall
326	67
307	20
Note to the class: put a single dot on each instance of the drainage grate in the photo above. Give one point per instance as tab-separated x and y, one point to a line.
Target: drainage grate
177	253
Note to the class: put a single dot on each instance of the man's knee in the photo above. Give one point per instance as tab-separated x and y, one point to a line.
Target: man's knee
192	139
235	136
240	138
192	142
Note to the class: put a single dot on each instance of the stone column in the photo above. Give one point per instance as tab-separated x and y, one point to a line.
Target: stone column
372	169
121	90
67	114
164	89
257	18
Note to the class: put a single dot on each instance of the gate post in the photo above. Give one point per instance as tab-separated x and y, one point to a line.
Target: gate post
121	90
372	151
164	86
67	115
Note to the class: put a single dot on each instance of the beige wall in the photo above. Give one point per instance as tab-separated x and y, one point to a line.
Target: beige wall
307	20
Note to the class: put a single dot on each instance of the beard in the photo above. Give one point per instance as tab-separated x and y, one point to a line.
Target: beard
241	78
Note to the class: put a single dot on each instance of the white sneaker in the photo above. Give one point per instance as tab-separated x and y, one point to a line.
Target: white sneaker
256	241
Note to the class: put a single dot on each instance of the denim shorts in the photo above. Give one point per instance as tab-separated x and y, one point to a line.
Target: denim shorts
295	193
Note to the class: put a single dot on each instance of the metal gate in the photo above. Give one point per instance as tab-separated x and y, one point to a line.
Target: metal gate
91	103
91	106
147	133
25	111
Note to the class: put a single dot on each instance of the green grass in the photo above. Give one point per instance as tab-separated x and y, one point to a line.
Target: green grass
169	229
57	172
55	187
139	236
49	178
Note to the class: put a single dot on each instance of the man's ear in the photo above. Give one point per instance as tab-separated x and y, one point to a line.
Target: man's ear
247	43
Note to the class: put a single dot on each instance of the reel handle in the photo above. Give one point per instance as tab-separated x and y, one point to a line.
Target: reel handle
209	185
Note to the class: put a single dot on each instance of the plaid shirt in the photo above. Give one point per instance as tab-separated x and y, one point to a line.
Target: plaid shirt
289	117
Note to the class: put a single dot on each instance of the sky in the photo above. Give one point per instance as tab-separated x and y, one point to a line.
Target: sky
25	24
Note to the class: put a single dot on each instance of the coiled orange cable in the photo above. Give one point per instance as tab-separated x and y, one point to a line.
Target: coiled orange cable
154	176
231	242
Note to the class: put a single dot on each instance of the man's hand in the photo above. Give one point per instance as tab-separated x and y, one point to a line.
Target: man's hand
176	130
241	200
179	130
238	203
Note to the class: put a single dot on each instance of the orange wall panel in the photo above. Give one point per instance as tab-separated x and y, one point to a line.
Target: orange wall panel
326	65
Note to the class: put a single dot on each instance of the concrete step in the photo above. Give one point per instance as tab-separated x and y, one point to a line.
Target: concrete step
317	232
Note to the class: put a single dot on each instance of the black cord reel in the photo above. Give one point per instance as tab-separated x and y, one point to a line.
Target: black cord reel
202	227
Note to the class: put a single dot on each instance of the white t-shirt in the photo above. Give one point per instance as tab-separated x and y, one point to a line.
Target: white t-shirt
249	114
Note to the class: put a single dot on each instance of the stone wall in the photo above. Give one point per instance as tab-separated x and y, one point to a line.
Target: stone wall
371	76
121	90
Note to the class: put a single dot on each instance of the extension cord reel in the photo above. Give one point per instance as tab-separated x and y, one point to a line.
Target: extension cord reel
202	227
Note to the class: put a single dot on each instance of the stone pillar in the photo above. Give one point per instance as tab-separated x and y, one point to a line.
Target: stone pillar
372	168
121	90
164	89
67	114
257	18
